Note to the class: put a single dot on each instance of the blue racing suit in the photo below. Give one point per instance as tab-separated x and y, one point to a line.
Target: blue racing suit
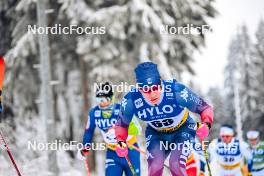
168	123
105	119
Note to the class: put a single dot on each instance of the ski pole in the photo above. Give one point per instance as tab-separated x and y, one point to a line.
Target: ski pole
86	163
130	165
205	154
2	74
10	154
137	149
207	160
87	168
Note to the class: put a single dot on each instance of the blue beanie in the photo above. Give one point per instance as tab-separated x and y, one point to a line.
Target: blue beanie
147	74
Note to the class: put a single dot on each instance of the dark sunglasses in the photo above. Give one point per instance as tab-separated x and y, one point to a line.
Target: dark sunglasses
253	139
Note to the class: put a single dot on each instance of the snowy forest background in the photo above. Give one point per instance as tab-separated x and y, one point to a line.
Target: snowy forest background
77	61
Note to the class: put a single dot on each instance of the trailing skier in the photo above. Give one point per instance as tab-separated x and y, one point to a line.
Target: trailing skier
257	148
229	153
104	116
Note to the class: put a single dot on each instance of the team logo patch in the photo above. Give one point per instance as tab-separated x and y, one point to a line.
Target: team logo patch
149	155
169	80
124	103
184	94
192	126
116	112
149	81
169	94
138	103
107	114
97	113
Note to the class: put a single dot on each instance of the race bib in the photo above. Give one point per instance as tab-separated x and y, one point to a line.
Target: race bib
169	124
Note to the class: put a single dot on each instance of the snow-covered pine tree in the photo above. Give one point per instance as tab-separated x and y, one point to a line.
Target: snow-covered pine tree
231	67
258	114
7	23
133	28
47	101
216	98
243	61
249	70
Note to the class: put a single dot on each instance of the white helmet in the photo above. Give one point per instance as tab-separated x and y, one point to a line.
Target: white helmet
227	130
252	134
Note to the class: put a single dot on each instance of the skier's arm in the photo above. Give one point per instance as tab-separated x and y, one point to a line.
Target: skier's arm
134	127
124	119
245	150
187	98
89	130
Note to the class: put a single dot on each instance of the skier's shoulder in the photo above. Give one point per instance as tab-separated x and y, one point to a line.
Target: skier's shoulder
131	96
236	141
126	103
178	86
131	93
94	110
169	81
241	143
117	105
261	144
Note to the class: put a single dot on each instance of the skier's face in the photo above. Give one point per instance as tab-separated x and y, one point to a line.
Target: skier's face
226	138
103	102
253	142
152	93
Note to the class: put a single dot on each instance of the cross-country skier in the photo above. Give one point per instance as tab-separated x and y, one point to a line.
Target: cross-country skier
104	116
164	105
229	153
257	148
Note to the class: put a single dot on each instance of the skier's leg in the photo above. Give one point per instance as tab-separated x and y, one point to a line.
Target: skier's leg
191	166
178	160
134	157
155	155
184	140
112	166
